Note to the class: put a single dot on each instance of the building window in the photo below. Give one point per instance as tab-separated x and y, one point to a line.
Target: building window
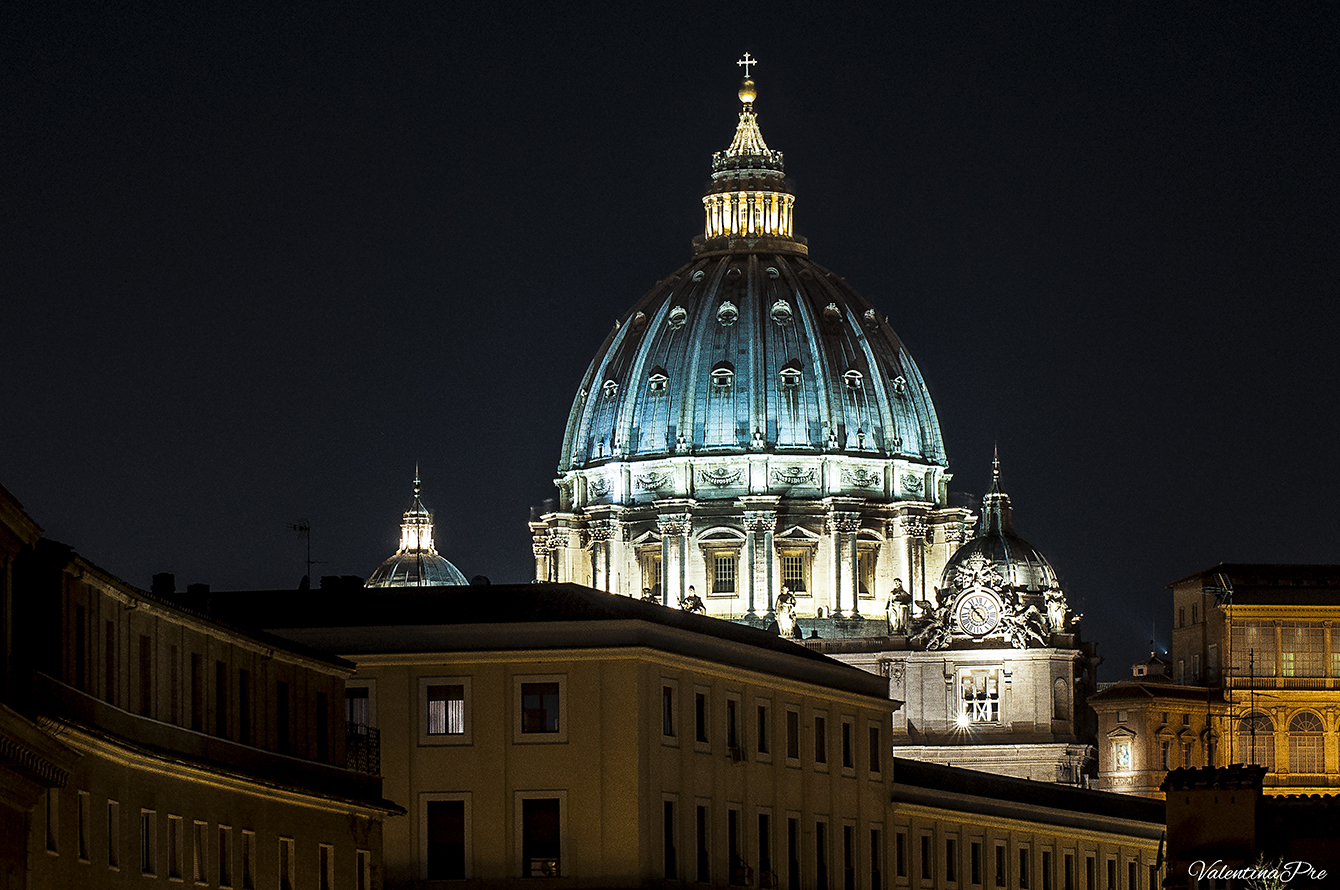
849	857
848	745
820	739
1163	750
197	693
975	862
1256	741
927	858
900	854
1253	649
1089	877
198	852
1121	754
652	574
866	557
668	845
979	696
1195	613
738	875
876	859
1024	862
1186	754
821	855
109	666
1181	616
541	837
875	746
282	718
700	717
363	875
114	835
146	666
761	729
446	709
792	853
732	725
80	649
225	856
668	711
1046	870
795	571
1303	649
148	842
325	865
221	699
175	824
444	842
539	708
1111	874
1001	872
1132	876
248	860
724	571
286	863
766	878
358	709
1306	744
1069	875
244	707
792	735
703	870
951	859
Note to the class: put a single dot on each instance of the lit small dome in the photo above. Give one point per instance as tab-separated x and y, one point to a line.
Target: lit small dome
417	562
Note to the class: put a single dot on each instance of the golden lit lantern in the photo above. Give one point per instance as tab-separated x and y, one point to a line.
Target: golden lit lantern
747	92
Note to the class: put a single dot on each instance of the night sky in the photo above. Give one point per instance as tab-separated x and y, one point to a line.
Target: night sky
257	262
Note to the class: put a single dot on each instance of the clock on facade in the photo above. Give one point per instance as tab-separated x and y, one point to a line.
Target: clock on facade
978	614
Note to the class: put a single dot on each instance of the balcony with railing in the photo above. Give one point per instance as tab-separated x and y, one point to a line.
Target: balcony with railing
363	749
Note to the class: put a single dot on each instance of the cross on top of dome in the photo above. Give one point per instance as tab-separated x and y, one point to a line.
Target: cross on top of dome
746	62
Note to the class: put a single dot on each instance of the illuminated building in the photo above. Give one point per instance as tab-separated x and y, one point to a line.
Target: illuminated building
177	748
753	441
1253	677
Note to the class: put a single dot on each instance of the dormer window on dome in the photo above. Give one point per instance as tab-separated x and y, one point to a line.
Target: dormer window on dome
853	379
790	374
723	374
611	388
781	312
656	379
677	317
727	313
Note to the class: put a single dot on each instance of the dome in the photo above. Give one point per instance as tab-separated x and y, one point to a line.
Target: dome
417	562
1022	569
753	348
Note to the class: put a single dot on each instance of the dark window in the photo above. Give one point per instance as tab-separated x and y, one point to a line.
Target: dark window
704	865
540	831
539	707
322	728
900	854
146	676
671	863
700	716
793	854
221	699
446	709
282	717
1023	870
667	710
80	649
975	861
174	686
1046	870
848	752
876	860
109	657
820	856
927	860
951	859
762	729
1090	879
357	709
848	858
765	850
197	693
738	876
244	707
732	733
1069	876
793	735
1000	866
875	745
1131	875
1111	874
446	840
820	740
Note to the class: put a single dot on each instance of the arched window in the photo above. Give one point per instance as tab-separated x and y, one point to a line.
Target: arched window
1256	741
790	374
1060	700
723	374
1306	745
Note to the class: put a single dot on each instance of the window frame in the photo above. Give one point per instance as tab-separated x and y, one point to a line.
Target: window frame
763	730
819	739
848	743
792	760
519	832
702	720
427	797
427	738
149	842
558	737
671	738
875	756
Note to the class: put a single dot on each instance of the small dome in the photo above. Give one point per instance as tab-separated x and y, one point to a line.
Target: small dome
1021	567
417	562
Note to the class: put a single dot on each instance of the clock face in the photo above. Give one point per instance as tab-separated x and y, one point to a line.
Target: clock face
978	614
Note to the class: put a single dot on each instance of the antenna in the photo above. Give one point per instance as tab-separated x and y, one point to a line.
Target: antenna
304	528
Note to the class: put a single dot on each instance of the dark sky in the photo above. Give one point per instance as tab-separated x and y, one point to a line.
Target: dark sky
255	263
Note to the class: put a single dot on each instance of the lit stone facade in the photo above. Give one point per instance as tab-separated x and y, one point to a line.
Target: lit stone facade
1253	677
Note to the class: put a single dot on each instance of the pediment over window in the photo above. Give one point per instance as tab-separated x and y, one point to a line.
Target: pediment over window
1121	732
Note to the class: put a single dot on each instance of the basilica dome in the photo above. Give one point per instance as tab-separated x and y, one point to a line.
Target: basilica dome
753	348
416	563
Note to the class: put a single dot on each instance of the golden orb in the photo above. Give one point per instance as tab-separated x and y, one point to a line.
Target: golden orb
747	92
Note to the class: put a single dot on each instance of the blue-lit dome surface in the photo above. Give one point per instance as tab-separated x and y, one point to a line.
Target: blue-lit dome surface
743	352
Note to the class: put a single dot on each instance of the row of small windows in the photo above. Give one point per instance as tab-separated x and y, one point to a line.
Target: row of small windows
1284	649
223	863
723	375
763	729
1029	872
795	565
